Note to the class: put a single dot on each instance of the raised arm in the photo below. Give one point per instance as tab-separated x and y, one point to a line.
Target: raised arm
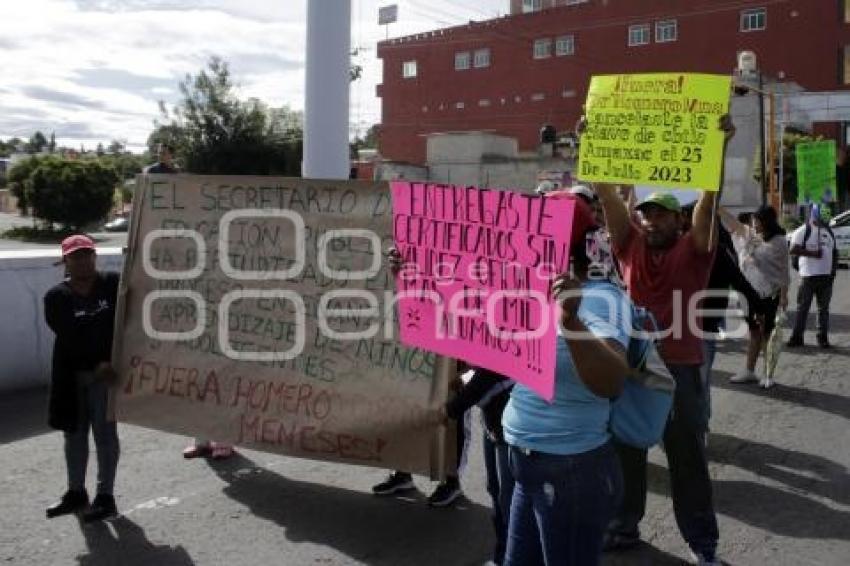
703	233
617	216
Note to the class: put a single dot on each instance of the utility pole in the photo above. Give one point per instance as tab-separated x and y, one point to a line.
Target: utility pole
326	150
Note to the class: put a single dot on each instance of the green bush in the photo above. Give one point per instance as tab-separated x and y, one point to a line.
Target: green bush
18	178
71	193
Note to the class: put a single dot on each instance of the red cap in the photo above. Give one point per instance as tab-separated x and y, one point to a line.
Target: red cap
583	218
76	242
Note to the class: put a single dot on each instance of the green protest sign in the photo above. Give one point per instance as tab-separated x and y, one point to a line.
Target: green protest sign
815	171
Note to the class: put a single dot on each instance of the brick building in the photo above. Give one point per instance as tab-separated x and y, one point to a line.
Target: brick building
512	75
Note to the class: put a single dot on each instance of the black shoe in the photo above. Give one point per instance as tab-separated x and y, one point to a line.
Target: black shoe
613	541
395	483
446	493
103	507
71	502
823	343
795	343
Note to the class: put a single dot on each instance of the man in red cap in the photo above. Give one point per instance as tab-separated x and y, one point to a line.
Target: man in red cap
81	312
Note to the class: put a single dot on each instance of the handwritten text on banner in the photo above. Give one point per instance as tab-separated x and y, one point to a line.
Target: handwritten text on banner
478	268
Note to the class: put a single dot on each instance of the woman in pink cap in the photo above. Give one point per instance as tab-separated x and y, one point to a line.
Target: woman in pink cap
81	312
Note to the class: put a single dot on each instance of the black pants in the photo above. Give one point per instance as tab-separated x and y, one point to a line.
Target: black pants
693	506
816	287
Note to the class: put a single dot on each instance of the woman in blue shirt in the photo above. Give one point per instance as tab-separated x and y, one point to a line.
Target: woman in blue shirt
568	479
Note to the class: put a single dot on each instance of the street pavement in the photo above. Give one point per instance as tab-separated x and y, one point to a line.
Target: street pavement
779	461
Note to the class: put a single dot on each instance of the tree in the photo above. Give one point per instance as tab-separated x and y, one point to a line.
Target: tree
37	143
370	141
115	147
71	193
214	132
18	178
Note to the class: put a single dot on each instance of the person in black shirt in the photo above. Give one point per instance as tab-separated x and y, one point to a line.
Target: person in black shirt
165	154
81	312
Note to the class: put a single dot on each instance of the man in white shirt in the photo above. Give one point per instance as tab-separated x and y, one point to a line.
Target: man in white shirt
814	244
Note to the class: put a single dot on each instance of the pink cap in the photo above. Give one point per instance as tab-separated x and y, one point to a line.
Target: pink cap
76	242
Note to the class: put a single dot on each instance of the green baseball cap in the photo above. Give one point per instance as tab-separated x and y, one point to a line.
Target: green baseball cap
664	200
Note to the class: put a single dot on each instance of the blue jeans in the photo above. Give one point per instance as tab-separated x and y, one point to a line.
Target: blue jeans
561	506
500	486
690	483
709	352
92	402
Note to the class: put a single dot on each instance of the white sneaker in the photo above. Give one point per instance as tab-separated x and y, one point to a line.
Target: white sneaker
744	376
700	560
766	383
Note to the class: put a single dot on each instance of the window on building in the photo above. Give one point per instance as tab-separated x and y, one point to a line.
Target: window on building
408	69
753	20
462	61
639	35
847	11
565	45
482	58
531	5
573	2
666	30
542	48
538	96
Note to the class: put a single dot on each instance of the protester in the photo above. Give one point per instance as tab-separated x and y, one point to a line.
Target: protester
165	160
814	244
763	256
449	490
490	391
81	312
725	276
664	269
589	196
567	478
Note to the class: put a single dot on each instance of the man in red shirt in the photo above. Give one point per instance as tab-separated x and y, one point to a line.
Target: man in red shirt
663	269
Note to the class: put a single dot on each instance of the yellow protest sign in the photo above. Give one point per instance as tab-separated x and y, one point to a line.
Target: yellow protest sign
655	129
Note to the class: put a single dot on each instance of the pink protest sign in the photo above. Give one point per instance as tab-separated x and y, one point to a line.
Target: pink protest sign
478	266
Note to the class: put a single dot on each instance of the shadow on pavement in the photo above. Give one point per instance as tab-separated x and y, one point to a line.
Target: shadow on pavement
642	555
828	402
778	511
121	541
357	524
798	470
23	414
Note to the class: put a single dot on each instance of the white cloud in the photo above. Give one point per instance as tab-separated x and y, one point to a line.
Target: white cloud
94	70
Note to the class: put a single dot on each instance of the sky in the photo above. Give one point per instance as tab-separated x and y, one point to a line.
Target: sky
93	71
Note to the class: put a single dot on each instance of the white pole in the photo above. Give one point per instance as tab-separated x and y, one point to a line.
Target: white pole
326	154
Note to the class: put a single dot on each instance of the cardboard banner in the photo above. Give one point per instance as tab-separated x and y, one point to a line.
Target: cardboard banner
258	311
815	171
655	129
478	266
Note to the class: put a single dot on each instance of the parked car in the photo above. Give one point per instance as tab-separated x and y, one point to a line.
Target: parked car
119	224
